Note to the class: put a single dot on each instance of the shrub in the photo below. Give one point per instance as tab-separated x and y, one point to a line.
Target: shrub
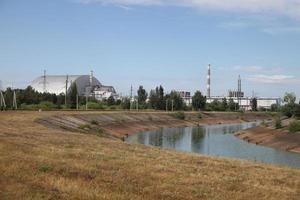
95	106
297	111
45	168
46	105
99	132
84	126
94	122
278	123
199	115
294	126
179	115
263	123
287	110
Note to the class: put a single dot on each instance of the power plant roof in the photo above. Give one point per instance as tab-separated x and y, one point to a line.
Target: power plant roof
56	84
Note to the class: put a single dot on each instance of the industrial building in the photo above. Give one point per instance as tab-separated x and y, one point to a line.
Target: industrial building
186	97
238	96
61	84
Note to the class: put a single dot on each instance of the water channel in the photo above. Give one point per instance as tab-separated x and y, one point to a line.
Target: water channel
216	140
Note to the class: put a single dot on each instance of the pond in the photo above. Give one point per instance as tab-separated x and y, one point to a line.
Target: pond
215	140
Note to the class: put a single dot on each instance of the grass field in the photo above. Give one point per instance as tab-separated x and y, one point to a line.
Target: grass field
39	162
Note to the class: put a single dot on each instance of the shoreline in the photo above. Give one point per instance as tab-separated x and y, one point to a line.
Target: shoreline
271	137
120	124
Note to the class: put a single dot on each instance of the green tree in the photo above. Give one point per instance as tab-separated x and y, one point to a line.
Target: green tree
125	103
111	101
274	108
232	105
174	97
224	104
157	98
297	111
142	95
254	104
73	95
198	101
290	98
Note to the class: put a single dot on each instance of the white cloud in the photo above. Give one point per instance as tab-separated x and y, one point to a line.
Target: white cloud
273	79
284	7
249	68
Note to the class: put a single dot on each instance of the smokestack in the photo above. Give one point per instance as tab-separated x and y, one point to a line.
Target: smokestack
208	81
91	78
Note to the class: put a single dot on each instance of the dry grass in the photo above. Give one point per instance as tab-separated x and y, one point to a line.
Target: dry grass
37	162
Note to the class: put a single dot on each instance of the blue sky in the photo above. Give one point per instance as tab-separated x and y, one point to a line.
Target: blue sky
152	42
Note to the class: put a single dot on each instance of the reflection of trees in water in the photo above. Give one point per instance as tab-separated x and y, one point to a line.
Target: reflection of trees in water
198	136
156	137
141	138
172	136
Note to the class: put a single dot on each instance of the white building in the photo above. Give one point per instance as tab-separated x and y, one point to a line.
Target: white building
104	92
86	85
262	102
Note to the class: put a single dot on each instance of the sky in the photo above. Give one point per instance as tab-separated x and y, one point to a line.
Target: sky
155	42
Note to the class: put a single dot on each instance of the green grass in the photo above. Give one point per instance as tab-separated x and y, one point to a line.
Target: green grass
84	126
179	115
278	123
45	168
294	126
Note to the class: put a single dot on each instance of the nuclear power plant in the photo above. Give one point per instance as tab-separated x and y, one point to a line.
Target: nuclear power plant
238	96
87	85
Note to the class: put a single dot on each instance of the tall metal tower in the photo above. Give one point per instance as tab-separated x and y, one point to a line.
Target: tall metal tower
67	81
44	82
239	95
208	80
91	78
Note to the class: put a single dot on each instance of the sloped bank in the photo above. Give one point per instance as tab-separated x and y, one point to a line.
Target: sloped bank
271	137
119	124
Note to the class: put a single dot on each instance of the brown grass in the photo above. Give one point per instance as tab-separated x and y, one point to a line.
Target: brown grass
38	162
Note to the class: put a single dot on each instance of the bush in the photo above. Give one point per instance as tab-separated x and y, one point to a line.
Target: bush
99	132
287	111
278	123
45	168
94	122
95	106
84	126
199	115
179	115
294	126
297	111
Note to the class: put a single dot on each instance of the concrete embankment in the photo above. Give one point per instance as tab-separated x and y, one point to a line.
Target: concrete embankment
271	137
120	124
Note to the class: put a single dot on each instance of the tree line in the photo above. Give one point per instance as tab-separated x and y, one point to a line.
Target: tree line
156	99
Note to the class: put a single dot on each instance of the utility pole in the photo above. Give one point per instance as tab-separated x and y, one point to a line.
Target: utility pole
15	106
131	97
86	101
77	106
2	101
172	105
67	80
137	105
167	105
44	82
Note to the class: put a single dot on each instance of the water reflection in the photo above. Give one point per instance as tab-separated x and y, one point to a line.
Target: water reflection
217	140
